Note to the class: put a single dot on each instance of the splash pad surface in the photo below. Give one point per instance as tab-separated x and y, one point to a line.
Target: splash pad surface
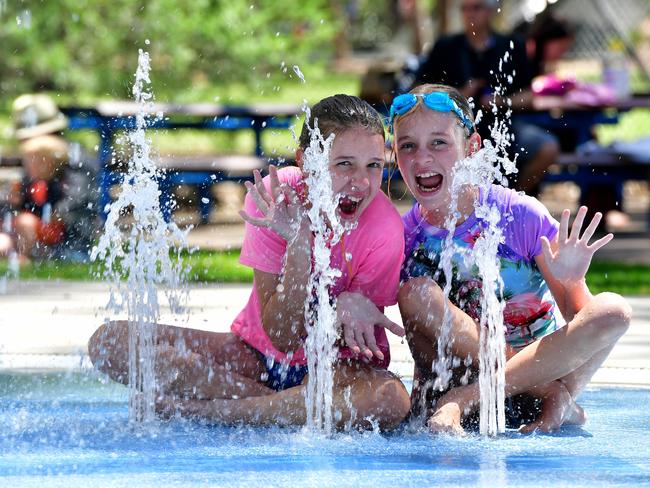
72	429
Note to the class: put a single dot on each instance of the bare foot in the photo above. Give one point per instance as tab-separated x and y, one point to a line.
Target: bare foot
451	408
446	420
558	408
575	415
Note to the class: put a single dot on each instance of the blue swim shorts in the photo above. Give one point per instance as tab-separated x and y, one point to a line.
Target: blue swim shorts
280	376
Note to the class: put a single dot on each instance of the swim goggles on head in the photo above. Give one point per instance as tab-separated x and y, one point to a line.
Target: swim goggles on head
438	101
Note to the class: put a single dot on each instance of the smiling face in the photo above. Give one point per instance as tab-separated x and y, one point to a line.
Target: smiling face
428	144
356	166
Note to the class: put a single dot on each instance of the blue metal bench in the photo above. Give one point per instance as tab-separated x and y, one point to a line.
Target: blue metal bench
110	118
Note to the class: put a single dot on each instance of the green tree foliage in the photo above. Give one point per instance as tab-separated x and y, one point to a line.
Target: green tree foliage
90	46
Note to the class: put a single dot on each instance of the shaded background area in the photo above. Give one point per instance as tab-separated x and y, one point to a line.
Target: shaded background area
85	50
240	52
243	51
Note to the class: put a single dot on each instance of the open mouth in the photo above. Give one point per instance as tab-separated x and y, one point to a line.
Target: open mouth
348	205
429	182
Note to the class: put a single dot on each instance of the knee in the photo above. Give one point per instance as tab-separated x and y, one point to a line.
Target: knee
407	293
418	296
105	340
391	403
613	311
6	244
26	223
550	150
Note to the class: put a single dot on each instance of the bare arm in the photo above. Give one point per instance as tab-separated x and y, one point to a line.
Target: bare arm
519	101
564	262
282	297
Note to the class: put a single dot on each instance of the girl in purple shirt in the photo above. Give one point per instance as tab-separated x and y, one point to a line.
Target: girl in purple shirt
557	332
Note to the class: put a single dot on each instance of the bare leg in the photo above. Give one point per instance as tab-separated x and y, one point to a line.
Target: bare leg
362	395
572	352
26	225
422	305
533	173
576	381
558	408
189	362
6	244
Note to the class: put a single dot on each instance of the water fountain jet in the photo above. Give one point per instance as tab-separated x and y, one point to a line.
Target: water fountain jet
139	262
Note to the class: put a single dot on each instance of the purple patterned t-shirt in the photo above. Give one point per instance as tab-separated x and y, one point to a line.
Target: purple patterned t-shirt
530	310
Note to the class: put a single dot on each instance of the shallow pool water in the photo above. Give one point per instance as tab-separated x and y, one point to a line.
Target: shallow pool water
72	430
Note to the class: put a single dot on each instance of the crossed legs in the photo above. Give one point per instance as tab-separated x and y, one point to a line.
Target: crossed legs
215	376
555	368
362	398
188	362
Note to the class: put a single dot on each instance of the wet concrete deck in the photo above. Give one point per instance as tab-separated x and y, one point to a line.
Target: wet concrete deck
47	325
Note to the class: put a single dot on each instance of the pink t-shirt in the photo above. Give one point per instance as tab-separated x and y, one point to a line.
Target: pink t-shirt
375	250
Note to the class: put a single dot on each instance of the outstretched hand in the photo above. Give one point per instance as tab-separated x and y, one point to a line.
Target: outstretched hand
358	316
570	261
281	208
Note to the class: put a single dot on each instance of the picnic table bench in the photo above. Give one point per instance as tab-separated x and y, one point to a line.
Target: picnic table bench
110	118
587	169
607	168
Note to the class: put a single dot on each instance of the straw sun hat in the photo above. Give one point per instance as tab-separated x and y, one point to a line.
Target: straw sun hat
36	115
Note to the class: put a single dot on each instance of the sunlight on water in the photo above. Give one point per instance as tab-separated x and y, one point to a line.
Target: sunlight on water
296	70
320	314
490	164
138	261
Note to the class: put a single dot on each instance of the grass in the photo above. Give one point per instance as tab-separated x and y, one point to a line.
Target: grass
204	267
631	126
625	279
224	267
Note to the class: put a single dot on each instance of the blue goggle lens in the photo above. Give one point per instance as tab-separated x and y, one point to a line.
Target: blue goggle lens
438	101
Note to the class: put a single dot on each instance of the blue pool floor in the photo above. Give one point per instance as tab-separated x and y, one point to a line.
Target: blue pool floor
72	430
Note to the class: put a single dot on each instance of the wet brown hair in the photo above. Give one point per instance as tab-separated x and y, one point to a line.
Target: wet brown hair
339	113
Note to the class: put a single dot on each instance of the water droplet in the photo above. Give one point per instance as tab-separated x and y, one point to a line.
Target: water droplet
24	19
299	74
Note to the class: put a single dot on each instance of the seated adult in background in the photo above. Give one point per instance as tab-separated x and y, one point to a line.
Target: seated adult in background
548	38
479	60
54	209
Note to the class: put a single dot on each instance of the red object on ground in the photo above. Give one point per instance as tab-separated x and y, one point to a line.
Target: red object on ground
38	192
50	234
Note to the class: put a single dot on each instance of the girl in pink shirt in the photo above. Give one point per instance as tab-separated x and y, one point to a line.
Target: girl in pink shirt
256	374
